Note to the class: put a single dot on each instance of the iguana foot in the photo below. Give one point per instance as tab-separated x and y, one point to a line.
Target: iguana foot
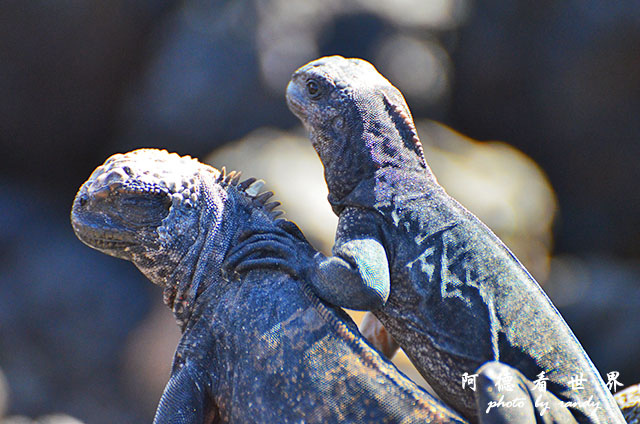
259	250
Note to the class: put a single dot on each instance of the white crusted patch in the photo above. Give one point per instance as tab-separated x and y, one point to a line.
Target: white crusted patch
255	188
152	169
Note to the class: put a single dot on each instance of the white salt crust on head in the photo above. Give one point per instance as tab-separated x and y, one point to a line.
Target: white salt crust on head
152	169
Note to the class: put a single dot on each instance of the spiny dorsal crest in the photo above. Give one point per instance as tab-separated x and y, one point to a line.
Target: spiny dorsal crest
404	123
250	188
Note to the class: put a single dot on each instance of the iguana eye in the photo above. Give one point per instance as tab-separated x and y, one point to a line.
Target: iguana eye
313	88
141	210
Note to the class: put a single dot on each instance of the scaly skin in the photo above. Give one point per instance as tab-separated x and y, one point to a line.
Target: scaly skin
258	347
445	287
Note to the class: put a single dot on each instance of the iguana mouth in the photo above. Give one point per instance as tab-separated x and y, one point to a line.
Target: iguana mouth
101	239
109	244
294	100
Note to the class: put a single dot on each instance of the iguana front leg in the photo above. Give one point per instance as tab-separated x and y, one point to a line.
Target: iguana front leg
257	249
357	275
185	400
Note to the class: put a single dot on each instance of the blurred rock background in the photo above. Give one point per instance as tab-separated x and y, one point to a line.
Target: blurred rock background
558	82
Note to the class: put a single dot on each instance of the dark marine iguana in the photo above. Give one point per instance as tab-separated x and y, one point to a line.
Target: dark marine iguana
258	347
449	292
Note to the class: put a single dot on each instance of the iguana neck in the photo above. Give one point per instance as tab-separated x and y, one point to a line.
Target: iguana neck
223	218
382	142
200	267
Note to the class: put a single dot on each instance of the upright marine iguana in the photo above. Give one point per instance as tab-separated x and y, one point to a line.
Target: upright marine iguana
446	288
258	347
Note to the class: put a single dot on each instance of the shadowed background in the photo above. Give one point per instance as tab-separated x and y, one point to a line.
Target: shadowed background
557	82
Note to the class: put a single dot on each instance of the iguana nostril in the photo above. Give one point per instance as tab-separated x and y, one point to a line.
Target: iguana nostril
101	193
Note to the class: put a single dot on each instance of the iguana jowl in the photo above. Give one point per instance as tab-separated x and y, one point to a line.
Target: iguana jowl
445	287
260	347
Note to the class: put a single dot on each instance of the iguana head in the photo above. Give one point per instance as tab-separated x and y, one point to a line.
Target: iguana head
167	214
358	121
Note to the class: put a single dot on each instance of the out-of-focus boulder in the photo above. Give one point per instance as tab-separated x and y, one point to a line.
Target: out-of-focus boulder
201	85
4	394
47	419
148	355
16	419
629	402
599	297
57	419
559	80
63	68
218	70
66	313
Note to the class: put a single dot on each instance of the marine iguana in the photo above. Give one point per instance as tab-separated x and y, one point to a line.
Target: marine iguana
257	346
449	292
